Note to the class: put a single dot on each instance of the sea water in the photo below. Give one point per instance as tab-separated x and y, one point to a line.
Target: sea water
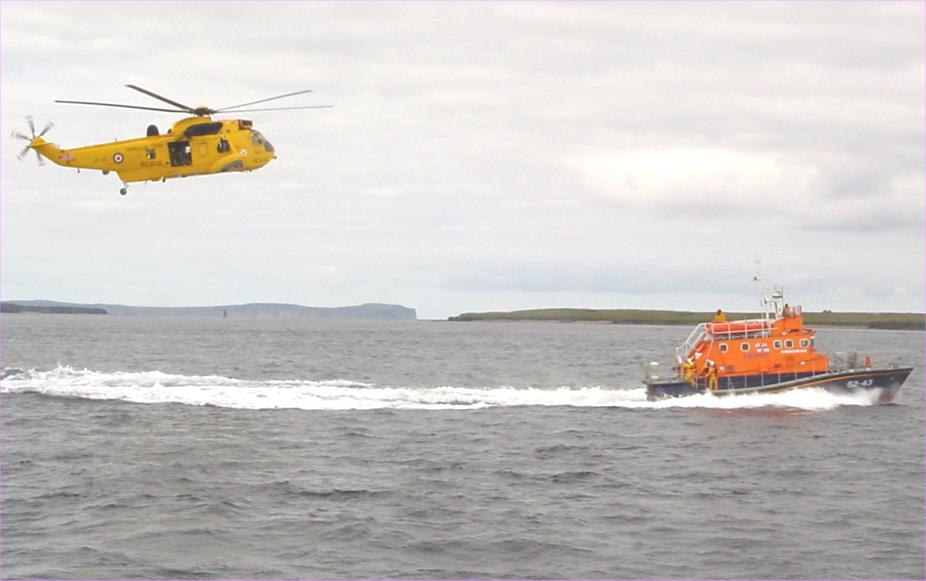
152	447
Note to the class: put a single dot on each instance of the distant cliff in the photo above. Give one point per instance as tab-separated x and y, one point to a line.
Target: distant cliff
365	311
6	307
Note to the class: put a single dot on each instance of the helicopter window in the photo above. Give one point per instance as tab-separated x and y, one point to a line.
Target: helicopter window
151	153
202	129
258	139
223	145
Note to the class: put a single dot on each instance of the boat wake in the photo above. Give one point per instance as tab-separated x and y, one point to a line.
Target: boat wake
338	394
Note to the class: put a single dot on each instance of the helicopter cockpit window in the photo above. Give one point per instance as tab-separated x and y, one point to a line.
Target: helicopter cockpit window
258	139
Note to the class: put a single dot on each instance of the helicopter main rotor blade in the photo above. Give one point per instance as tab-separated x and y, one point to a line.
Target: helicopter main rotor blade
31	124
264	100
160	98
122	106
274	109
19	135
23	153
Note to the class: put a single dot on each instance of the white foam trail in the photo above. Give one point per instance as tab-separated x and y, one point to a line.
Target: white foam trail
216	390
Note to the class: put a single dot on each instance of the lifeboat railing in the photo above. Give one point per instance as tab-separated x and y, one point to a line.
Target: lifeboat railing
853	361
836	362
652	371
698	333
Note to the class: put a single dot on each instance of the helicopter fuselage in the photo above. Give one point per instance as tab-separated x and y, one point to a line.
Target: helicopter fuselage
193	146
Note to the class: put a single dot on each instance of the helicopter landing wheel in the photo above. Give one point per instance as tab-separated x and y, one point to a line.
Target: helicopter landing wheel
123	191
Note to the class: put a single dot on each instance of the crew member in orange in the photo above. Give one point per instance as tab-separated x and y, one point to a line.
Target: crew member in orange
786	312
719	317
710	373
867	362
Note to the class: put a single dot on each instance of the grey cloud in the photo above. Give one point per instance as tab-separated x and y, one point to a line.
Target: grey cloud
448	167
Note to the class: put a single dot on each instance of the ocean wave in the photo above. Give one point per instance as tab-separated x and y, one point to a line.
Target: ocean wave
147	387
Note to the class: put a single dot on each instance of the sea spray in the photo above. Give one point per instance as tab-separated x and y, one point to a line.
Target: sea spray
147	387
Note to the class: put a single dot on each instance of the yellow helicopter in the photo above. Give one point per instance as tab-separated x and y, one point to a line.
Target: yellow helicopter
194	145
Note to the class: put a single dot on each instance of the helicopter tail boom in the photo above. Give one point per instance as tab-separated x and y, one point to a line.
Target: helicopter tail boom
52	152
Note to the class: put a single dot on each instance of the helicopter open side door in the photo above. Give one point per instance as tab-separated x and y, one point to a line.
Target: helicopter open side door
180	153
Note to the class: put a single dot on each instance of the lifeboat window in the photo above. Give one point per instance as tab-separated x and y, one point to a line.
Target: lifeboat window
805	343
777	343
723	347
744	347
789	344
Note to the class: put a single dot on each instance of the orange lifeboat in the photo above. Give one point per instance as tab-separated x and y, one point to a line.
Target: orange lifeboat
765	356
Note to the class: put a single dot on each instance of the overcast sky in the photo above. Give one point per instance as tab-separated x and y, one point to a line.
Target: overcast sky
481	155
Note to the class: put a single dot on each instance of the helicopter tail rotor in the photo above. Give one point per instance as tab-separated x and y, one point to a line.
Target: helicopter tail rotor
32	139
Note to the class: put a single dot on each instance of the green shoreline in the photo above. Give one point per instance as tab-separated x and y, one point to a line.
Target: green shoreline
902	321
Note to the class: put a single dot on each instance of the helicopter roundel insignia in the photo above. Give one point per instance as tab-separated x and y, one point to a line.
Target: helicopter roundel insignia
118	157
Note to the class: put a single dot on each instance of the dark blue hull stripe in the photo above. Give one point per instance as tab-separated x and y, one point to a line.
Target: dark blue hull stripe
886	380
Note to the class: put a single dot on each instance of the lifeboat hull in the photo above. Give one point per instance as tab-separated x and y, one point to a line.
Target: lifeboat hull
886	382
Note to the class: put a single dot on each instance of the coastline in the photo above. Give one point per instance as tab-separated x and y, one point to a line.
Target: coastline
886	321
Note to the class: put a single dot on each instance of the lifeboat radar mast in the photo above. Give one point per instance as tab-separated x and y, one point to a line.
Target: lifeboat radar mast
772	306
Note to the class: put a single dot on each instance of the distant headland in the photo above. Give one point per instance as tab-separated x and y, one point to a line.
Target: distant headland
376	311
906	321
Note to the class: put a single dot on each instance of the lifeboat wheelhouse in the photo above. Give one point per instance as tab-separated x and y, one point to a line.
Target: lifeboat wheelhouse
755	352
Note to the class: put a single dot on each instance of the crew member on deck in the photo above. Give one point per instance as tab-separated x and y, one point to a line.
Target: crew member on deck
710	373
688	371
786	312
719	317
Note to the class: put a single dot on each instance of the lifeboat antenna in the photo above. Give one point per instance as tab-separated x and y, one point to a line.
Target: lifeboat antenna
771	306
757	278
